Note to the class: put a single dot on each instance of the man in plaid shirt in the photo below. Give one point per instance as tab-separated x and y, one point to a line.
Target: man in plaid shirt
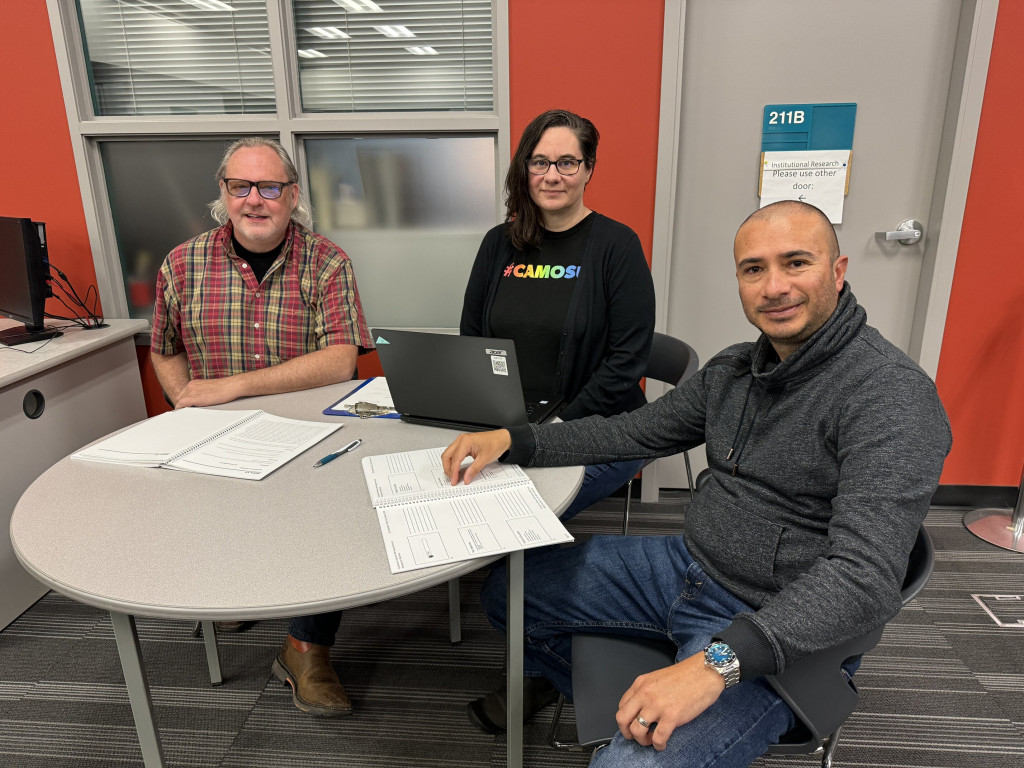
258	306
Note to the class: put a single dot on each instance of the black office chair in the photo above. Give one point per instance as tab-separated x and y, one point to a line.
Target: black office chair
816	688
671	361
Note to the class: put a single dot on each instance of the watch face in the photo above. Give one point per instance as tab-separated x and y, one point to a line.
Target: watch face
720	653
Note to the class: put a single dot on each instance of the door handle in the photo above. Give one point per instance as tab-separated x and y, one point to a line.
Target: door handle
906	233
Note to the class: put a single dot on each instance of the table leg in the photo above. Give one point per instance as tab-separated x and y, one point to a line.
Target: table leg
514	679
212	657
454	611
138	688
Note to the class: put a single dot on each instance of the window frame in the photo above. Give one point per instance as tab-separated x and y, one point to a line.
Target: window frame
288	123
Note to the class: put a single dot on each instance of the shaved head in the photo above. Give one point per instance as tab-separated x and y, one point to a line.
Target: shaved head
784	208
790	272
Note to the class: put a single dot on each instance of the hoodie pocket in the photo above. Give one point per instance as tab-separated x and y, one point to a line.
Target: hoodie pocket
738	544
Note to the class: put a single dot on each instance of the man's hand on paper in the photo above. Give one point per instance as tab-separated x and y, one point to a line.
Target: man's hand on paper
484	447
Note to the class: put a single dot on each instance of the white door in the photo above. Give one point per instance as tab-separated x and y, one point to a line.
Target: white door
903	63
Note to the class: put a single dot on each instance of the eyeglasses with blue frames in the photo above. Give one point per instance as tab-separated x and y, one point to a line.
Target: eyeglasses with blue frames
566	166
268	190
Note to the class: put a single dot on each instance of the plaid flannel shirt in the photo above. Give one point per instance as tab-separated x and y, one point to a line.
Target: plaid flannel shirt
209	305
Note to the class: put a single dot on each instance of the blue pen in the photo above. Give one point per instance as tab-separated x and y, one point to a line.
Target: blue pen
332	456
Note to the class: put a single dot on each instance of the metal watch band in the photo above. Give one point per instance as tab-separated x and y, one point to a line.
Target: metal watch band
721	658
731	673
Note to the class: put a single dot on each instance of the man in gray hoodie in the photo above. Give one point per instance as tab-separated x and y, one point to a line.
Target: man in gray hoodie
825	444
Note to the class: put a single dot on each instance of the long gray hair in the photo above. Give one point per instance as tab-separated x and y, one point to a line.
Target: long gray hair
303	211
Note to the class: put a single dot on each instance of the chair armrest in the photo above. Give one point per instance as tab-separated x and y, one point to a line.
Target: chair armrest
816	689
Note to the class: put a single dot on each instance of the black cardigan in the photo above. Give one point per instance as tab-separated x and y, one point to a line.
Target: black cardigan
608	329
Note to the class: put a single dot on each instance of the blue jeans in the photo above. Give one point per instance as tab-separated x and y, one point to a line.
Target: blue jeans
319	629
600	481
646	586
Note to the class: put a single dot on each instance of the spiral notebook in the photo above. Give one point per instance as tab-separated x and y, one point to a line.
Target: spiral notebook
242	444
426	521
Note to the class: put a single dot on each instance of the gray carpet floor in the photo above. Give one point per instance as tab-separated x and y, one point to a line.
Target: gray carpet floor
944	688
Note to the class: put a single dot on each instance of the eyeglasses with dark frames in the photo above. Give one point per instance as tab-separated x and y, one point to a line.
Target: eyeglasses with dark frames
268	190
566	166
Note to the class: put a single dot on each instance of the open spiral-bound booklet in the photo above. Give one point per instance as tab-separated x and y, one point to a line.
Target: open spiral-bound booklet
243	444
427	521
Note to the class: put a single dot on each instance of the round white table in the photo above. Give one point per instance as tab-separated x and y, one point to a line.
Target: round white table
163	543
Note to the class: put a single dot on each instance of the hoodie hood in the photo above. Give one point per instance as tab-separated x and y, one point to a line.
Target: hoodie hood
842	325
771	377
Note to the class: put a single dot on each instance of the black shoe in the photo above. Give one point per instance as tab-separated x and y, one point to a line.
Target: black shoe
223	626
488	713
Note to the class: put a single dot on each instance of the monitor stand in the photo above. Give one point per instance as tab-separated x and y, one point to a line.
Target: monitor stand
22	334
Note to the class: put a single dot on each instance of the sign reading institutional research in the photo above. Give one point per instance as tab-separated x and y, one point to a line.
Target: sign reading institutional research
817	177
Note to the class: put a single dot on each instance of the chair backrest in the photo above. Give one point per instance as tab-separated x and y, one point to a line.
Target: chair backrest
920	566
815	687
672	360
819	693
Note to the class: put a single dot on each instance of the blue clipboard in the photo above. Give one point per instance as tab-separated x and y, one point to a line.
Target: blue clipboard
337	410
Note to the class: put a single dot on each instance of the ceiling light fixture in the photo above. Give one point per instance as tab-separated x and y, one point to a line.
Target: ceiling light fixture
394	30
359	6
210	5
329	33
422	50
311	53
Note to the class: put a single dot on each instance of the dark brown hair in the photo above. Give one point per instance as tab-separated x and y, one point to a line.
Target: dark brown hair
522	218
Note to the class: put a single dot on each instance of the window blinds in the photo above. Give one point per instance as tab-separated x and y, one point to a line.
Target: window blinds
149	57
159	57
418	55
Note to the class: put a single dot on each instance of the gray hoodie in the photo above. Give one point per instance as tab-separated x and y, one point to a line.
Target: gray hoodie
823	467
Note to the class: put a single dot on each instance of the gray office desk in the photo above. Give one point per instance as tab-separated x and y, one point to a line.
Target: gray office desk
56	396
178	545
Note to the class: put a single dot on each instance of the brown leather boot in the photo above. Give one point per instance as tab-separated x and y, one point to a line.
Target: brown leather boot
316	688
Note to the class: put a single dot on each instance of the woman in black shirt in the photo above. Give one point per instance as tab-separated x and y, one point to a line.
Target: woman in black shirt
569	286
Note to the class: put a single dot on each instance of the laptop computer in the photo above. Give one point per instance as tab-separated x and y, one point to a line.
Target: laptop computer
459	382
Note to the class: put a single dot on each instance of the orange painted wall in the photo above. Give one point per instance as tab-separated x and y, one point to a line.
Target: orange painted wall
981	367
39	177
610	72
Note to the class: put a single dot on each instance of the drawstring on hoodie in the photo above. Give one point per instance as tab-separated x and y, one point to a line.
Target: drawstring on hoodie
743	413
734	452
762	364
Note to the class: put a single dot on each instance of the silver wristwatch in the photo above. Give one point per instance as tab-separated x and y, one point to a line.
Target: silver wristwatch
721	658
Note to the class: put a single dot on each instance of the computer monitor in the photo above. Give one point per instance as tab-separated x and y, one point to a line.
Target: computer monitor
24	280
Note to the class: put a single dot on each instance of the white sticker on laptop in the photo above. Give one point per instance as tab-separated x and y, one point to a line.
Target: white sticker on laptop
496	352
499	365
